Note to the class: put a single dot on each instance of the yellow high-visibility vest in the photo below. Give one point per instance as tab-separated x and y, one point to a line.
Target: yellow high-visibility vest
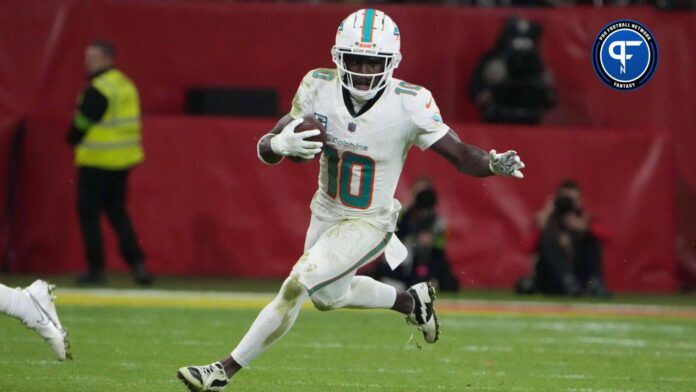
114	142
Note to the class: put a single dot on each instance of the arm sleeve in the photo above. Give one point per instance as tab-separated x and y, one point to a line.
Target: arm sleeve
427	121
91	110
93	105
74	136
303	102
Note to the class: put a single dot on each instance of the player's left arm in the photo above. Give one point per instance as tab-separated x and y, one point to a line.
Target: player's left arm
466	158
433	133
476	162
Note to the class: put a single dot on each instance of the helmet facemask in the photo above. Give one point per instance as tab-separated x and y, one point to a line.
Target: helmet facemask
365	85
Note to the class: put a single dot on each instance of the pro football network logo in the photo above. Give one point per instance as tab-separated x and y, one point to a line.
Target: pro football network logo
624	55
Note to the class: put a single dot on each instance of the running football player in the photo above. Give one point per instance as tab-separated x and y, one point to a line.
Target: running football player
371	121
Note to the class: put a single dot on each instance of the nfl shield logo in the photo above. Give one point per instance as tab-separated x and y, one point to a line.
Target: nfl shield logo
322	119
352	126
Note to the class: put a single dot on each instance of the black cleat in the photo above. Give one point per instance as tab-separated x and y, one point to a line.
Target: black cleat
204	378
423	315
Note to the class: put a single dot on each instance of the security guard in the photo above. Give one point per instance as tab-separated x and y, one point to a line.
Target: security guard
106	134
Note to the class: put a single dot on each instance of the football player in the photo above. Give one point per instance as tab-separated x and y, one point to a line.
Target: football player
34	307
371	121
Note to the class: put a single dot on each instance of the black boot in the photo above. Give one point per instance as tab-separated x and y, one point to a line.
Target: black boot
141	275
525	285
597	288
571	286
96	278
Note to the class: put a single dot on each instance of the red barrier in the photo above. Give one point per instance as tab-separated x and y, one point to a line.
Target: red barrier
168	46
204	204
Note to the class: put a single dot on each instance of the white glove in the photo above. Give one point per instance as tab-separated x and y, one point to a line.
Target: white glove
506	164
289	143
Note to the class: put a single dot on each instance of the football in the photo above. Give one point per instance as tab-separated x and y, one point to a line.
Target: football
309	123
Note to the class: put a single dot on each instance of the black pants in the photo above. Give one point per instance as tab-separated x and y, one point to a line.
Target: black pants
437	268
555	274
105	190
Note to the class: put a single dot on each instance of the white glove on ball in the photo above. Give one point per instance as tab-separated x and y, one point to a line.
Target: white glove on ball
289	143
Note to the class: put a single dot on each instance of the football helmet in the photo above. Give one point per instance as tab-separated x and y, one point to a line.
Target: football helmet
370	33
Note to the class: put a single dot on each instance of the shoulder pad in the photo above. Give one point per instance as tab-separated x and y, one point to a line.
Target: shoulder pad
316	77
412	96
322	74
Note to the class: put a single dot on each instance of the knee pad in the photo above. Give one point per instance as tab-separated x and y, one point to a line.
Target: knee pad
323	301
292	289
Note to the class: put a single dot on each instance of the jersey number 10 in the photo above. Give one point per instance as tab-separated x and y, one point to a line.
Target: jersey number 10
341	184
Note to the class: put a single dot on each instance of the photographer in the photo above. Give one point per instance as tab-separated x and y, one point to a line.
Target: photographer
567	246
510	83
424	233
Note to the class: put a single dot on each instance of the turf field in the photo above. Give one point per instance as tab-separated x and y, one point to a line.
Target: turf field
135	340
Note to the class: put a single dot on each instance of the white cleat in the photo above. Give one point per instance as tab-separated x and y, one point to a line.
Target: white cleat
423	315
44	319
204	378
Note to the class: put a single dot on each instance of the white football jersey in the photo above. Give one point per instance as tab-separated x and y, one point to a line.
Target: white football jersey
363	157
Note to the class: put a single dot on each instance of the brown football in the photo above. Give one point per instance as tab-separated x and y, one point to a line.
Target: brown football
309	123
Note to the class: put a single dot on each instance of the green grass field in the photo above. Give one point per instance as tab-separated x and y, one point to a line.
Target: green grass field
136	340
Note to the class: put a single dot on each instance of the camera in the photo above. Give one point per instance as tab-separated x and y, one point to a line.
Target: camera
563	205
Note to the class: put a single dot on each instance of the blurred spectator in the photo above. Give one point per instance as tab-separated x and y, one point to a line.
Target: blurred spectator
106	136
510	83
567	247
424	233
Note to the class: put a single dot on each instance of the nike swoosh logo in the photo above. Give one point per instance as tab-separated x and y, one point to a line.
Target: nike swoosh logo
45	317
427	105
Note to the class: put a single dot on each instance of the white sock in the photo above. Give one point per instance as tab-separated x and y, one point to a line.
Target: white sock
366	292
15	303
274	321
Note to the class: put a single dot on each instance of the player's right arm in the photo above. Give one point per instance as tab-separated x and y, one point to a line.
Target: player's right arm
264	150
282	140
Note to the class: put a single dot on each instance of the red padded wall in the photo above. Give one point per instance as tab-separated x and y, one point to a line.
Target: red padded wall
167	46
204	204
